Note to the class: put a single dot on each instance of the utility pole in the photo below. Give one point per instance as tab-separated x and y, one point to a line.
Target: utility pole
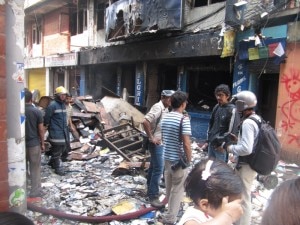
14	32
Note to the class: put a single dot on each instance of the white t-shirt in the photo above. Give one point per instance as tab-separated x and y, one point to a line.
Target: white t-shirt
194	214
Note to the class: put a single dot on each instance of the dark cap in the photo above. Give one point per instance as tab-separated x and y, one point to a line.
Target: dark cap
167	93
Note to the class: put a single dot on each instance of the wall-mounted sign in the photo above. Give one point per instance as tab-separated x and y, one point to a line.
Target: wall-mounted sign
240	77
18	75
66	59
32	63
139	89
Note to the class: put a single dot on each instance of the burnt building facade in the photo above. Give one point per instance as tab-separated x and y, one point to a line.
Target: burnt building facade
136	48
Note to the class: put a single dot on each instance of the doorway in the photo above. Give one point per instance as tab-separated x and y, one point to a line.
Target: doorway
267	96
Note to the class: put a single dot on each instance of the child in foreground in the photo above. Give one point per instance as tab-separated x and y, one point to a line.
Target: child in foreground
216	192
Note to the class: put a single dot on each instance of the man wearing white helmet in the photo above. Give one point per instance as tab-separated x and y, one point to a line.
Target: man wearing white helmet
245	102
56	121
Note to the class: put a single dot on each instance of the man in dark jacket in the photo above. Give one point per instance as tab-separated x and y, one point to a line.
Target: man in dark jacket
56	121
224	120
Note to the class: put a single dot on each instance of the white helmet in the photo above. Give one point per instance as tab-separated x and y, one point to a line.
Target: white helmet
245	100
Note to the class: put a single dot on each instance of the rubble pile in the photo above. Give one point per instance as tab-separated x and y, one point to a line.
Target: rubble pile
93	188
96	188
105	183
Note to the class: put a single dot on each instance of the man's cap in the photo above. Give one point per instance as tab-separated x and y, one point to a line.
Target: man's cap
167	93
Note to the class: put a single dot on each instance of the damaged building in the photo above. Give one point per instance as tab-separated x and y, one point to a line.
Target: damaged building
133	49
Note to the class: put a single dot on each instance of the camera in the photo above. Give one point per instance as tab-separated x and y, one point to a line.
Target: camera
219	139
181	163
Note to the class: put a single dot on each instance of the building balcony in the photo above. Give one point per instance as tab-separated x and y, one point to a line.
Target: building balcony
258	13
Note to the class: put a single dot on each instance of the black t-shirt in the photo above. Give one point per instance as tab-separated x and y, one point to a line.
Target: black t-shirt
33	118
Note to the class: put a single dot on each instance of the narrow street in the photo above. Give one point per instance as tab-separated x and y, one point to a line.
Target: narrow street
89	190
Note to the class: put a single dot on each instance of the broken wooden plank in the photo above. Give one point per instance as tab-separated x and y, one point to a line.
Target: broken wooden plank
83	115
91	107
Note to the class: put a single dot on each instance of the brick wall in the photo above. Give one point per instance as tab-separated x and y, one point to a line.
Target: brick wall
3	137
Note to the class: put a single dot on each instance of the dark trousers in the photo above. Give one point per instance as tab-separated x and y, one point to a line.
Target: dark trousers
56	153
33	162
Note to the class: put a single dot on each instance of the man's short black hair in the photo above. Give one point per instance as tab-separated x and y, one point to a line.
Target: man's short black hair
28	95
223	88
177	99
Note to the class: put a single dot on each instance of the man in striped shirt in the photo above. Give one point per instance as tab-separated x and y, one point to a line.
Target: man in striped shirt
176	132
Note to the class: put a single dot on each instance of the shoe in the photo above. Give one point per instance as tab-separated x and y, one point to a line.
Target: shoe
156	203
66	159
50	163
59	172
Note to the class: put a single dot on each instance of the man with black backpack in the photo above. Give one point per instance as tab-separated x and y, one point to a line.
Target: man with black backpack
245	103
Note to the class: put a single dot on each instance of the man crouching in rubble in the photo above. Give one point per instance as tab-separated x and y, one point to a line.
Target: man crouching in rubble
151	126
56	122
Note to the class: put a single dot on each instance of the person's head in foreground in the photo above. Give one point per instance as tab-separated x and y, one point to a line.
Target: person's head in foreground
13	218
284	205
212	185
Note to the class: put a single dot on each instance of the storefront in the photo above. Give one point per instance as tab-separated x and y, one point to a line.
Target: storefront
35	76
62	70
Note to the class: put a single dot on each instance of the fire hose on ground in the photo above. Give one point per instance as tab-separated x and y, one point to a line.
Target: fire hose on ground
91	219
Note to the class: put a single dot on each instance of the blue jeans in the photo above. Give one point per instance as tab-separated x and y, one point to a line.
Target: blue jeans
155	170
214	153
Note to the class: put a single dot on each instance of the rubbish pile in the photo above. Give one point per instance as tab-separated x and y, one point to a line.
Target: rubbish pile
101	124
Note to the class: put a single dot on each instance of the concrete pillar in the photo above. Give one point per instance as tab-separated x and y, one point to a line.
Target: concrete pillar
82	81
48	82
139	84
15	105
4	187
119	80
152	87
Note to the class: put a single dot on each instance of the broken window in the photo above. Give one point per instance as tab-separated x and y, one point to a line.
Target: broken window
79	18
36	34
131	17
200	3
100	15
215	1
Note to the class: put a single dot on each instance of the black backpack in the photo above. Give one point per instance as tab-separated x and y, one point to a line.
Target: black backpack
266	150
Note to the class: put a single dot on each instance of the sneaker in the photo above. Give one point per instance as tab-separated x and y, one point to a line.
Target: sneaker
156	203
